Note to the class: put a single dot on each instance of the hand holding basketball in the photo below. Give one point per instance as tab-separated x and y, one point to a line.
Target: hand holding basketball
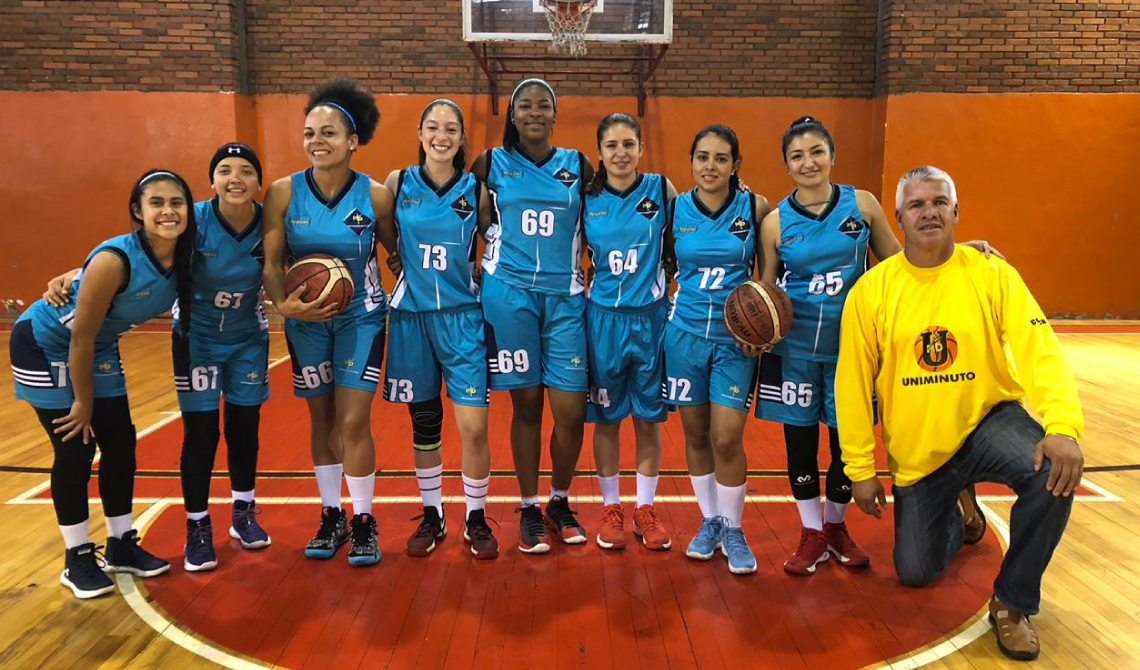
319	286
758	315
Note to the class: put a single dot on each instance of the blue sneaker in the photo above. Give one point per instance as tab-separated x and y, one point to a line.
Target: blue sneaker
741	561
245	527
707	539
200	554
365	549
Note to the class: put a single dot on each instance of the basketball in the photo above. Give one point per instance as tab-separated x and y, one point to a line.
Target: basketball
758	313
325	278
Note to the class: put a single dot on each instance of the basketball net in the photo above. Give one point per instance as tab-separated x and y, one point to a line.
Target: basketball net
568	21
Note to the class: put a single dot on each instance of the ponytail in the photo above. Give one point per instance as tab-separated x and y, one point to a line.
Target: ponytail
599	181
734	182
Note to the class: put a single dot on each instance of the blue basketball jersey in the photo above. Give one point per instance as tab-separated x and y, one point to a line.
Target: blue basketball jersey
823	255
623	234
226	288
437	227
150	291
344	226
534	241
716	252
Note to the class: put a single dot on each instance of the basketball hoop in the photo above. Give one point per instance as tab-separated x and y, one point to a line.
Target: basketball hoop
568	21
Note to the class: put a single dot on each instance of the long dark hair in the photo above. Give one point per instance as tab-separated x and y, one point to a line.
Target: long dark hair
803	126
599	181
183	248
511	137
728	135
353	101
459	161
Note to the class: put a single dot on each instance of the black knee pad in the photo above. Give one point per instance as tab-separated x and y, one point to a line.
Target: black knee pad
427	424
242	423
200	437
802	444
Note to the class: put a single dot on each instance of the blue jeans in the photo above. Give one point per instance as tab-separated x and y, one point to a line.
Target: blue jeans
928	524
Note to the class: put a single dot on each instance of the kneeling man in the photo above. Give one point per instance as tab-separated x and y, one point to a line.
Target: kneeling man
952	344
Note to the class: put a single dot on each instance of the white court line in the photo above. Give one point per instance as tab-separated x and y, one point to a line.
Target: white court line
1109	496
170	417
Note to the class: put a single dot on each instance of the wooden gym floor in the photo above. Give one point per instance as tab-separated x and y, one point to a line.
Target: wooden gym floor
578	606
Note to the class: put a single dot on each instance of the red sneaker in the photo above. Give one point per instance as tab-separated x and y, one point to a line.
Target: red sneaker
648	526
812	550
612	533
839	542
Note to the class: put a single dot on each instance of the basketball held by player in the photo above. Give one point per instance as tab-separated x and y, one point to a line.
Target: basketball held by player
65	360
533	302
436	324
330	208
709	374
625	221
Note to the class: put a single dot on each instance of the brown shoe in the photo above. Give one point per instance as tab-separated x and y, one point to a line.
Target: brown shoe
972	516
1015	635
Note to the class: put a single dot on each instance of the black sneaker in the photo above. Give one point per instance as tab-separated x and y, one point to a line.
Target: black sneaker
365	548
199	548
564	521
125	555
244	526
532	531
332	533
431	528
81	572
479	535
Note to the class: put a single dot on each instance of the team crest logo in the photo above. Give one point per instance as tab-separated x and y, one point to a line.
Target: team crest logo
104	367
251	376
471	390
349	363
357	221
648	209
567	177
852	227
576	361
463	208
734	389
257	253
740	228
935	349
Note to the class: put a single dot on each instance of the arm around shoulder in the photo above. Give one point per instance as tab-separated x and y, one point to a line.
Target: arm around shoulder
855	375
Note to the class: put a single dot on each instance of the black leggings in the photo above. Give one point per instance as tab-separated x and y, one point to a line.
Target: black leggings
200	446
71	467
802	443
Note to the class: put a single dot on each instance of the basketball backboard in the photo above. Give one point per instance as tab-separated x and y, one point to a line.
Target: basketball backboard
630	21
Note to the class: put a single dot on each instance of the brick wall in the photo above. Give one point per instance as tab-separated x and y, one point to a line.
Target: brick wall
998	46
78	46
810	48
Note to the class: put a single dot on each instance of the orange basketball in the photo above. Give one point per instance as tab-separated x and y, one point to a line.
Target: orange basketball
758	313
325	277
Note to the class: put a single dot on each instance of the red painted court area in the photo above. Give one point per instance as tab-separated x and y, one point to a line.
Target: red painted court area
576	607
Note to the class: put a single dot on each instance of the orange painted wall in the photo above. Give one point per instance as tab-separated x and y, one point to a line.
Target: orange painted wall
1047	178
65	189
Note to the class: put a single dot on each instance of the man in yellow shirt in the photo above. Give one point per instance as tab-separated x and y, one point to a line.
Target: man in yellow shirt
952	343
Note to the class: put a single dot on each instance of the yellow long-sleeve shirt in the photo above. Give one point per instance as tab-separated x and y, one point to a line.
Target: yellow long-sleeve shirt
941	347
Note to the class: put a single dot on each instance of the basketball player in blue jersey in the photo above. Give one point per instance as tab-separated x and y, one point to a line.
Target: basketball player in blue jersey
709	375
815	244
330	208
533	301
66	365
625	221
436	324
227	354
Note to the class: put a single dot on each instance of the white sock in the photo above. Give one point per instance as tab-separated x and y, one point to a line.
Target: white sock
646	489
244	496
197	516
704	486
611	492
559	493
528	501
730	503
834	512
75	534
118	526
328	483
811	516
431	487
475	492
360	489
